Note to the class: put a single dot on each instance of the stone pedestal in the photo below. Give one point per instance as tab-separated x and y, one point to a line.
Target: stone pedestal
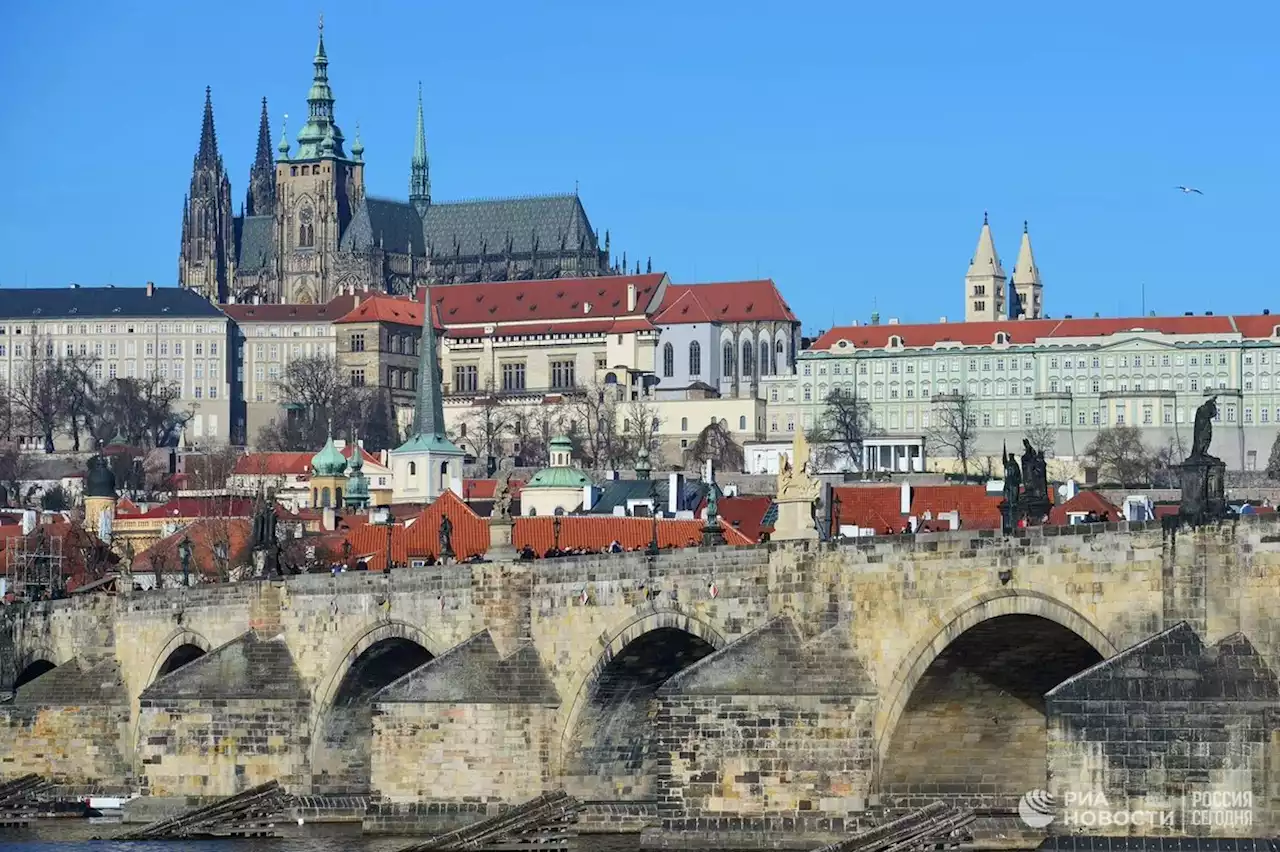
1203	480
1033	508
501	546
795	520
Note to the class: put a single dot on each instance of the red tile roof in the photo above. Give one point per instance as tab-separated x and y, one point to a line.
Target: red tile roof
384	308
1085	501
1028	331
597	532
125	506
236	534
328	312
745	514
491	303
723	301
200	507
482	489
877	507
273	464
419	536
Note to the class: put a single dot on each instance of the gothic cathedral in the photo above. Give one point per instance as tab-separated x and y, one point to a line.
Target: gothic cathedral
306	231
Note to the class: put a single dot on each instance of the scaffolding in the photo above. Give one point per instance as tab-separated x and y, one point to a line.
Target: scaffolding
34	566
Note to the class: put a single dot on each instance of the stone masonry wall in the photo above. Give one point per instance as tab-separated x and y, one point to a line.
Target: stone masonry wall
218	747
476	752
69	745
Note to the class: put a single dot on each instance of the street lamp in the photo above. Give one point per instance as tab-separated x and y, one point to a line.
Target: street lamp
653	511
184	553
833	527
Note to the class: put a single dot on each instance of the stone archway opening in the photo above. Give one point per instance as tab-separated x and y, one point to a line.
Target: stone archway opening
611	754
32	671
342	760
974	727
178	658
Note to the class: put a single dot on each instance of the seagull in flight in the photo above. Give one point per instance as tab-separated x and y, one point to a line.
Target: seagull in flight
1187	190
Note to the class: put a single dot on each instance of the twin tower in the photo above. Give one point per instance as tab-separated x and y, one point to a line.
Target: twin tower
988	295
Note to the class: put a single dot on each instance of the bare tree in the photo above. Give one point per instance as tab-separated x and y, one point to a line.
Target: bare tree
715	443
1042	437
641	424
592	412
534	427
955	427
1120	456
15	470
1273	461
844	424
212	468
487	427
38	391
80	394
315	396
140	410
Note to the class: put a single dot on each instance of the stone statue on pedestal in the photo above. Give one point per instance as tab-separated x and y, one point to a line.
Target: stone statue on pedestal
797	492
1203	477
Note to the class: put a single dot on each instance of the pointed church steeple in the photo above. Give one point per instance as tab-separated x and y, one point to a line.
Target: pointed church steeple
985	282
320	118
428	463
1026	279
205	252
420	167
261	197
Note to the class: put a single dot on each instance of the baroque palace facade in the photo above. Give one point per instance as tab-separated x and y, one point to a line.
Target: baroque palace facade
308	232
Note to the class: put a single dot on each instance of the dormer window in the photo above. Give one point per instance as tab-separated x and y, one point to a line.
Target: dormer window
895	342
1002	339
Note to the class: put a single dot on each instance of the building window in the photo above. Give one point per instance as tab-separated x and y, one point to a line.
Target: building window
742	423
513	376
357	378
357	342
728	361
746	359
466	378
668	360
684	424
562	374
695	359
764	359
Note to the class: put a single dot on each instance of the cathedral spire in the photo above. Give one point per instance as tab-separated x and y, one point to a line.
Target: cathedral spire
428	433
420	168
208	152
1026	279
985	282
261	197
320	121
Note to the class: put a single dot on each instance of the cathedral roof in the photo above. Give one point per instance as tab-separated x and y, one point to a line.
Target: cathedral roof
255	243
468	227
109	302
727	301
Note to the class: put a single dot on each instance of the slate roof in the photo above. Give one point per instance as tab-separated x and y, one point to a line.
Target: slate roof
467	227
616	494
105	302
331	310
255	243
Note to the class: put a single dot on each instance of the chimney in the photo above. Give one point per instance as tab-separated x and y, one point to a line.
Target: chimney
382	457
942	319
893	320
904	499
875	317
330	520
675	484
357	303
151	289
631	298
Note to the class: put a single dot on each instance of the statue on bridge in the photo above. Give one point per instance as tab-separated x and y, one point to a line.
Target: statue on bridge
1202	436
502	496
1203	477
1012	489
798	491
446	538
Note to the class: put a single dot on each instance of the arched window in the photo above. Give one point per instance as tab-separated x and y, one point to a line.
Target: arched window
315	496
305	170
695	359
728	359
764	358
742	423
668	360
324	497
684	424
444	477
746	358
413	468
337	497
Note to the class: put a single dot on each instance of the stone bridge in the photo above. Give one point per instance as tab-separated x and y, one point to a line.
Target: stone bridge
806	682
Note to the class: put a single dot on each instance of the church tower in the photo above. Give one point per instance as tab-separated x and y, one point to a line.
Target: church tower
419	167
261	197
317	192
206	253
985	282
1026	281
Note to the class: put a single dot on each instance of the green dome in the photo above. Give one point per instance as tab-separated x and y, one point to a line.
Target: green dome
558	477
329	461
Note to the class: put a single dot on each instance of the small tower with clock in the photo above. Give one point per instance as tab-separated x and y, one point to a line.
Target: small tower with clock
318	188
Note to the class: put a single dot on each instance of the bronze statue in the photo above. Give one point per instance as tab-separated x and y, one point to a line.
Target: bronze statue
502	497
1202	437
1012	478
1035	479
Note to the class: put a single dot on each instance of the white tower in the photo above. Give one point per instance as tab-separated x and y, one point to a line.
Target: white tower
985	282
1026	280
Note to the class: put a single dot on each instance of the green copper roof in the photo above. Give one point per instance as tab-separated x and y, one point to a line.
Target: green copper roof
429	444
329	461
428	419
558	477
320	136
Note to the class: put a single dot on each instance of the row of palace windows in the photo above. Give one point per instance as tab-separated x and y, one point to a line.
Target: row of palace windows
306	170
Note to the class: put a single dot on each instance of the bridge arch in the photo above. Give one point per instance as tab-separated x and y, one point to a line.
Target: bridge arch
180	648
608	726
341	743
979	679
34	662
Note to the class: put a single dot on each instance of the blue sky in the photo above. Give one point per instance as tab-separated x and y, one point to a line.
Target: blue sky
848	150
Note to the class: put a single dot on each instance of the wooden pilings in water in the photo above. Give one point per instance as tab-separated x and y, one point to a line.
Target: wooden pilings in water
545	823
18	805
254	813
934	826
